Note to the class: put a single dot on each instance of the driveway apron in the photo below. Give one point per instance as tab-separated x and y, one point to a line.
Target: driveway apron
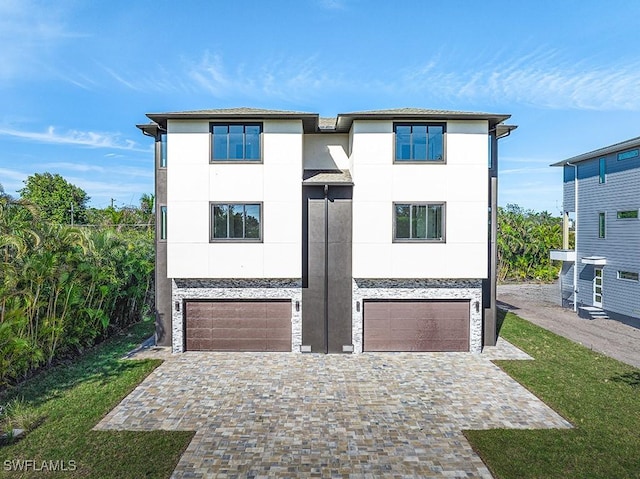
307	415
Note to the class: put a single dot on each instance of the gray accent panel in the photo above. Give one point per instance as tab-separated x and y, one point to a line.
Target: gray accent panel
163	333
332	291
566	284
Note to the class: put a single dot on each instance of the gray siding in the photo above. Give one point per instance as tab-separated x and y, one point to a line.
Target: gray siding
568	189
621	246
566	284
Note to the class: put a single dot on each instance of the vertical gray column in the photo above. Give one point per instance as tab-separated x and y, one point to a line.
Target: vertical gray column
326	270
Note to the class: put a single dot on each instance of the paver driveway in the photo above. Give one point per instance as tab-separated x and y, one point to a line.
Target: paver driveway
298	415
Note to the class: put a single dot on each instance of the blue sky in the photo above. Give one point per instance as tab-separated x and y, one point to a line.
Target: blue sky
76	76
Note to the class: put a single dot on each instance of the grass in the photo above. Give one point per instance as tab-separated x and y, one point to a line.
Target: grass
598	395
66	402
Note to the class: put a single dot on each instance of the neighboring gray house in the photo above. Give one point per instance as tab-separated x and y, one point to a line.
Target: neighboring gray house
602	190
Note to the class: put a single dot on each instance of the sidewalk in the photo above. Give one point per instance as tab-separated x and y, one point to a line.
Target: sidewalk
539	303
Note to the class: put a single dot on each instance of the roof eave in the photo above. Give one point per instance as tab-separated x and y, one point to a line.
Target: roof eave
607	150
345	120
309	120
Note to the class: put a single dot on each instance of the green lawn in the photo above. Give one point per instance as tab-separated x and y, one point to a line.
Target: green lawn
71	399
598	395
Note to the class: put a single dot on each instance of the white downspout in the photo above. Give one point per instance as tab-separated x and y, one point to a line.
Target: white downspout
575	236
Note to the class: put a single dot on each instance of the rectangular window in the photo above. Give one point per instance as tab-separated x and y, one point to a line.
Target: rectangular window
628	275
163	222
163	150
602	226
419	142
236	221
419	222
625	155
235	142
627	215
602	166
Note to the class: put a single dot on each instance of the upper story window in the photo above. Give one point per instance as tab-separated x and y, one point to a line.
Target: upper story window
163	150
418	222
627	215
419	142
602	170
236	221
625	155
235	141
602	225
163	222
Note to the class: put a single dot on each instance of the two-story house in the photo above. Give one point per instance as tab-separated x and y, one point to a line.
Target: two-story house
599	277
284	231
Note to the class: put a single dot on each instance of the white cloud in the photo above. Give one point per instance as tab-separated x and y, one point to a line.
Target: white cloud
539	78
88	139
128	171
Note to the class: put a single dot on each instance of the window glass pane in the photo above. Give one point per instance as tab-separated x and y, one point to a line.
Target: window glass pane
252	221
419	221
436	143
163	151
628	275
220	221
403	142
236	221
624	215
601	225
402	221
220	138
236	142
434	226
163	222
602	169
252	138
419	138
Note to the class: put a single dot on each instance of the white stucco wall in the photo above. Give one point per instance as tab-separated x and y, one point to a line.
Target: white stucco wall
193	182
326	151
461	183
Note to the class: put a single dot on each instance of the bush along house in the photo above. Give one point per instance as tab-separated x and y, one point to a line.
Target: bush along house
286	231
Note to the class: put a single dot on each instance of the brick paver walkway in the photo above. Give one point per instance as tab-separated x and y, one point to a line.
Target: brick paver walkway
357	416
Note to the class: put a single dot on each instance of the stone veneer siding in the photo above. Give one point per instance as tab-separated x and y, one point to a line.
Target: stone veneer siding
470	289
186	289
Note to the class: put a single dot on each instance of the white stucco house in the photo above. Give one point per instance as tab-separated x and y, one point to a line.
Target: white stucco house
285	231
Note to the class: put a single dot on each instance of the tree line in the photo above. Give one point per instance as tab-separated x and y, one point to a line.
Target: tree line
524	239
64	287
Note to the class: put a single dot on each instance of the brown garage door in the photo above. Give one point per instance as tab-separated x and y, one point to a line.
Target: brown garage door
416	325
238	325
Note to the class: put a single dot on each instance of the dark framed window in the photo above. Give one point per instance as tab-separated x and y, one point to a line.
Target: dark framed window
163	150
419	142
627	215
163	222
602	170
236	222
236	141
418	222
602	225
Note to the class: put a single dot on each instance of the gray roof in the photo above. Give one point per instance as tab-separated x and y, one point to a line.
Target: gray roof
327	177
313	123
616	147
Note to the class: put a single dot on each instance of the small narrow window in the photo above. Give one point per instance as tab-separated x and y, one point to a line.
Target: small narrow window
163	222
625	155
628	275
163	150
627	215
603	170
602	227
